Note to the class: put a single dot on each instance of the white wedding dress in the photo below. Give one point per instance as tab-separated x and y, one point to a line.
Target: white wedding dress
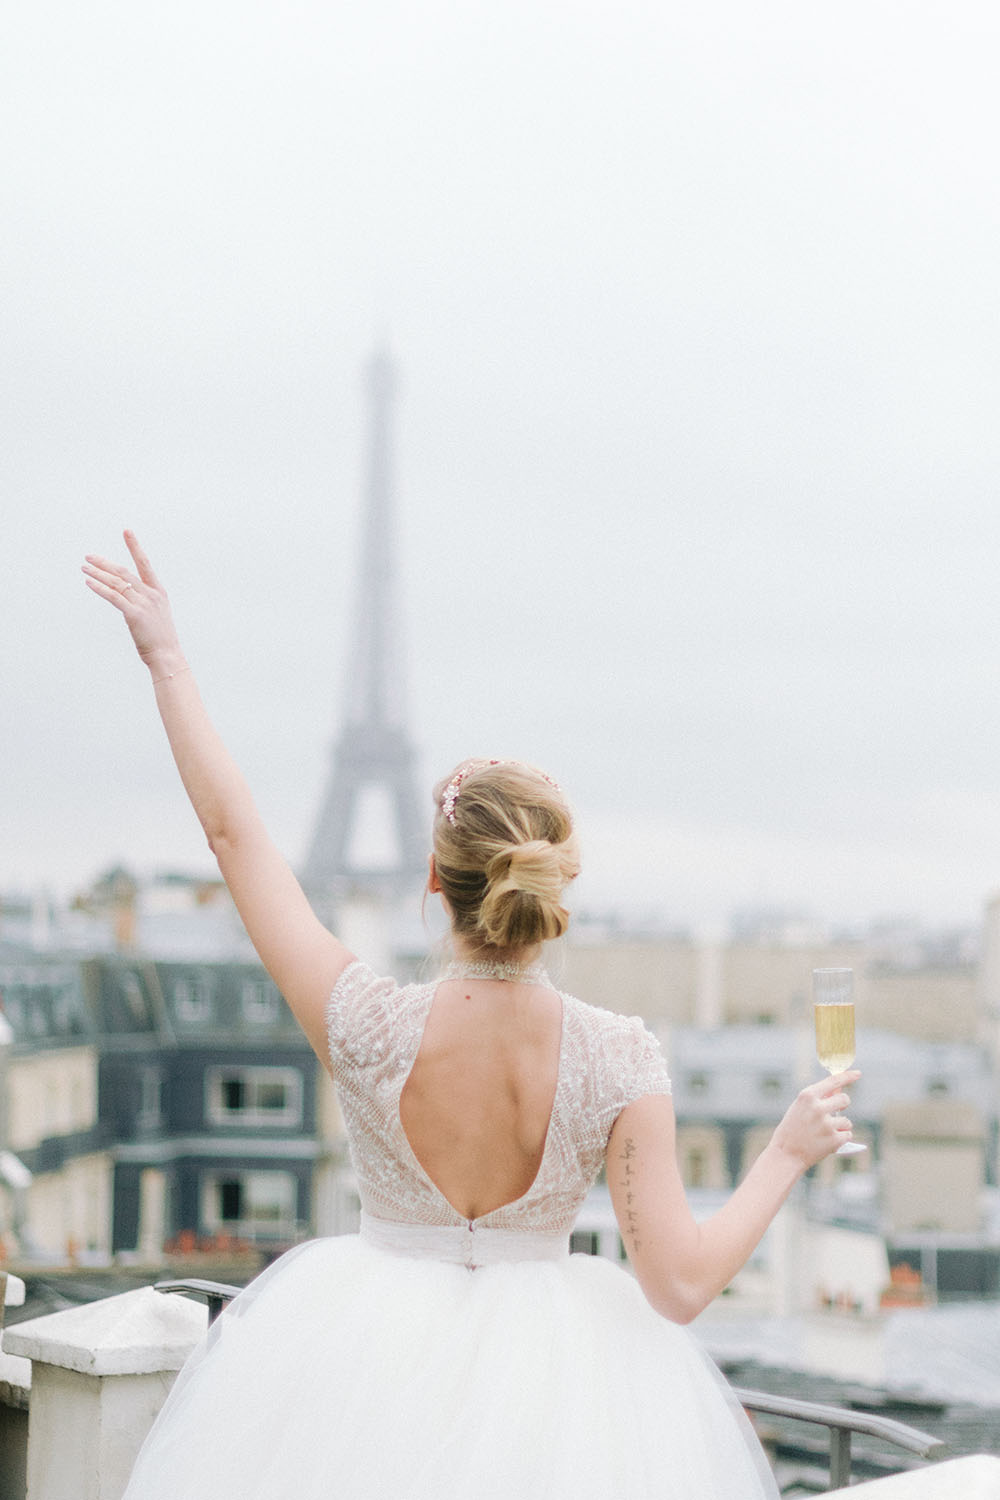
431	1357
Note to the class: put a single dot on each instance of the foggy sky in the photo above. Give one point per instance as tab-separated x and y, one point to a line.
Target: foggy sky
696	316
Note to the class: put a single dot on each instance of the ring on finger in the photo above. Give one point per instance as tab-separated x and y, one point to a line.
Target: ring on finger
127	587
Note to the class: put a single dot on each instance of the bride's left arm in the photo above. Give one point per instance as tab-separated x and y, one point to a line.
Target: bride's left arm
682	1265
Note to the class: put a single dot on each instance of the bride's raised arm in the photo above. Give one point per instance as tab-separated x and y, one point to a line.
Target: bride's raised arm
303	958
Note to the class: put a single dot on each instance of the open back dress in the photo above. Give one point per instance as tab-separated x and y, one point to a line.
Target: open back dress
432	1357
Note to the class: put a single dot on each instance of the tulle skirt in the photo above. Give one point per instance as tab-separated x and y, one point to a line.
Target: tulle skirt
347	1372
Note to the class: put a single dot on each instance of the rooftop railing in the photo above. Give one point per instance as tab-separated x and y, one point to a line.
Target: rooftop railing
843	1425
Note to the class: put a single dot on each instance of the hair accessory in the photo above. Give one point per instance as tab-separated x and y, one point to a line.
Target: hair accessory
450	794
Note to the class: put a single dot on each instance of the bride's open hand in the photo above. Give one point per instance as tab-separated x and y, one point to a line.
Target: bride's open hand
813	1126
142	600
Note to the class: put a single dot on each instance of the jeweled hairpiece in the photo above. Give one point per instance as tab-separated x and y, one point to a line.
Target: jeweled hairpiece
449	796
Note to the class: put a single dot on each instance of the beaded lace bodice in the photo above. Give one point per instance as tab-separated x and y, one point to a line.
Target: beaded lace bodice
375	1028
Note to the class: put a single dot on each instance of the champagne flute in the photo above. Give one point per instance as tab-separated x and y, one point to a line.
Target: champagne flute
833	1006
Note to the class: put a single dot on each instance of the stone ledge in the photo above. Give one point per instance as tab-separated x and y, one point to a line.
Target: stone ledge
973	1478
15	1380
13	1291
135	1333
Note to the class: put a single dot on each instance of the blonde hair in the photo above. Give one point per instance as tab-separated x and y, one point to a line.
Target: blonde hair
504	851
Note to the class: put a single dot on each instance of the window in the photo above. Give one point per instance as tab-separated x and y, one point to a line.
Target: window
230	1200
697	1166
584	1242
193	1000
65	1006
254	1096
250	1204
150	1098
260	1002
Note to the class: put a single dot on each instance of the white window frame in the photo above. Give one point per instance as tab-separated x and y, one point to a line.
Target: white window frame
132	993
254	1081
150	1098
254	1186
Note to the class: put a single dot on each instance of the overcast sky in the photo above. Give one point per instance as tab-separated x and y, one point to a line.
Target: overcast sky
696	314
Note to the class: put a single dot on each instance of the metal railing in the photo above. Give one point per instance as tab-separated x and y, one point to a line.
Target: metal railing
215	1293
842	1424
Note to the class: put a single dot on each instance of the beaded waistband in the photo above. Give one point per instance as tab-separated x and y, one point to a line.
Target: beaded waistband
469	1244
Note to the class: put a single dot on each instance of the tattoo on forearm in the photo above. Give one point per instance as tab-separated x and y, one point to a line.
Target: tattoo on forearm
626	1159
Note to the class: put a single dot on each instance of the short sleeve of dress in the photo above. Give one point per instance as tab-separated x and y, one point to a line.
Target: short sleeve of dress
359	1018
635	1067
646	1066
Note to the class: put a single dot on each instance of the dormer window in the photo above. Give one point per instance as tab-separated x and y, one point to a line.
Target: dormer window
193	1001
260	1002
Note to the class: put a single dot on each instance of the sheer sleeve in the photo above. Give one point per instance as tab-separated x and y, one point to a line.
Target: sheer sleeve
360	1018
645	1064
634	1067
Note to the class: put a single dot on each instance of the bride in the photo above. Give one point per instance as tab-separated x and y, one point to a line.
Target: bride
454	1347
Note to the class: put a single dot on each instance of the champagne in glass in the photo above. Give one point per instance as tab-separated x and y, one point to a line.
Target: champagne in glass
833	996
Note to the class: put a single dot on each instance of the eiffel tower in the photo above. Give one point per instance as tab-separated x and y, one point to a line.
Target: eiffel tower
374	754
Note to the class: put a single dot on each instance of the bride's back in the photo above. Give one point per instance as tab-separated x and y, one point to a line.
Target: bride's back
478	1099
477	1102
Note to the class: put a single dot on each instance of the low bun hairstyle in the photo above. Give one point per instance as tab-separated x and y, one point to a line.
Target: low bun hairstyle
504	851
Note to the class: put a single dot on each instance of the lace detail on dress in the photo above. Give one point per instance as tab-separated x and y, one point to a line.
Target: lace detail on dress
606	1061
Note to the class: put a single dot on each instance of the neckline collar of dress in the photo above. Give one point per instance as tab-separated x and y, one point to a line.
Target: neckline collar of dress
512	973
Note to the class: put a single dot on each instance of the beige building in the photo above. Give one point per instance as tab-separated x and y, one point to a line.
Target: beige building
934	1005
771	983
51	1098
679	981
659	980
933	1155
701	1156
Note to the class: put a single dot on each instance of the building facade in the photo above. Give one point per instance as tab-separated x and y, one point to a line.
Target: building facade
154	1104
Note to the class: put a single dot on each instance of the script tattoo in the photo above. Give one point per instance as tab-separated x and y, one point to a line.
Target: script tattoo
627	1159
